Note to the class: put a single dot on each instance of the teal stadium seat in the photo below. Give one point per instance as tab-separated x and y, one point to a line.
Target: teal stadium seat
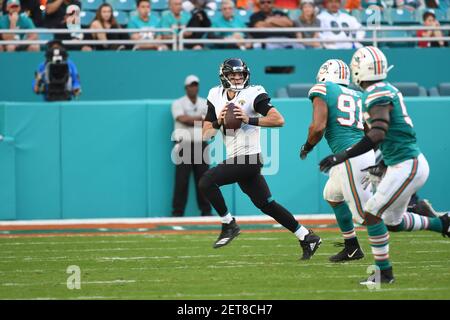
294	14
364	15
244	15
410	89
212	14
90	5
86	18
160	5
44	36
122	5
402	17
443	89
396	34
121	17
298	90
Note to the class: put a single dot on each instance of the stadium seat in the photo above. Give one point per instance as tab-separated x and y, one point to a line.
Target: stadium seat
441	15
294	14
121	17
396	34
122	5
298	90
443	89
44	36
400	16
160	5
281	93
411	89
90	5
86	18
370	15
244	15
212	14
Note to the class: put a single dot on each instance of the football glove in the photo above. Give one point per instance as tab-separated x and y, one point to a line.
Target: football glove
305	149
327	163
373	176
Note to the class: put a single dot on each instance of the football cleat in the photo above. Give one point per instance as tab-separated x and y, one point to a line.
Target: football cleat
348	254
445	219
423	208
386	276
229	232
309	245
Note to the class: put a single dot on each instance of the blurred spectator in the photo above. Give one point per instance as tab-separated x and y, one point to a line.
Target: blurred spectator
286	4
189	146
434	4
308	19
190	5
31	8
174	18
15	20
250	5
57	77
364	4
409	4
199	19
145	20
228	19
267	17
333	17
55	13
104	19
429	20
72	22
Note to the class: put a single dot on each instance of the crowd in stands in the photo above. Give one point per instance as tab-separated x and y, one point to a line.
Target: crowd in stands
178	14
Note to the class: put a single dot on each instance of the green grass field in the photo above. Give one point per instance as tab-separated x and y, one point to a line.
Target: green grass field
261	265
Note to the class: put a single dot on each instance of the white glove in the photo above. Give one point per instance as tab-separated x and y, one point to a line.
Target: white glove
373	176
371	179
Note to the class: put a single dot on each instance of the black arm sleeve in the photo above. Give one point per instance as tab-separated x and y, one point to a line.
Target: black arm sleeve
262	104
211	114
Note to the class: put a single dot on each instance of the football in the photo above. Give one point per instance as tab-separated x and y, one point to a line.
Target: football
231	122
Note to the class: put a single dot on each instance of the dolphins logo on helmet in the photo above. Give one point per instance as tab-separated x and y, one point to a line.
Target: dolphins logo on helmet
334	70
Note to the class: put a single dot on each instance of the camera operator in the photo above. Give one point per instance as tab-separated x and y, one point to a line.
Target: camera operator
57	78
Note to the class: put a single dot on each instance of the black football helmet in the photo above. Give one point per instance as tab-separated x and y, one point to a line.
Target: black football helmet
231	66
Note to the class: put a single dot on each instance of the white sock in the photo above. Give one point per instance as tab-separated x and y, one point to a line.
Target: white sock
227	218
301	233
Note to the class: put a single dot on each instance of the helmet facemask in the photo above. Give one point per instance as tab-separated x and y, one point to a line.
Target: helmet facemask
230	67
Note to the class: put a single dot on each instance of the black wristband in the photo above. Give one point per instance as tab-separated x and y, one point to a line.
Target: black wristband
253	121
363	146
215	124
308	146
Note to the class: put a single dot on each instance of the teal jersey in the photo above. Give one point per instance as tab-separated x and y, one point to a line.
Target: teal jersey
136	22
221	22
168	20
400	142
24	22
345	125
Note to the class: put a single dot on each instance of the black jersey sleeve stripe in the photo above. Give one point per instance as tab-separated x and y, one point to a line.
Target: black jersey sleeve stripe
262	104
211	114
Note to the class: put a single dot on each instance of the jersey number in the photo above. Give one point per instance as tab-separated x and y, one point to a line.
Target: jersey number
347	104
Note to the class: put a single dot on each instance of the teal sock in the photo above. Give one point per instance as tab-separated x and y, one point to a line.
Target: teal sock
345	221
379	242
413	222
